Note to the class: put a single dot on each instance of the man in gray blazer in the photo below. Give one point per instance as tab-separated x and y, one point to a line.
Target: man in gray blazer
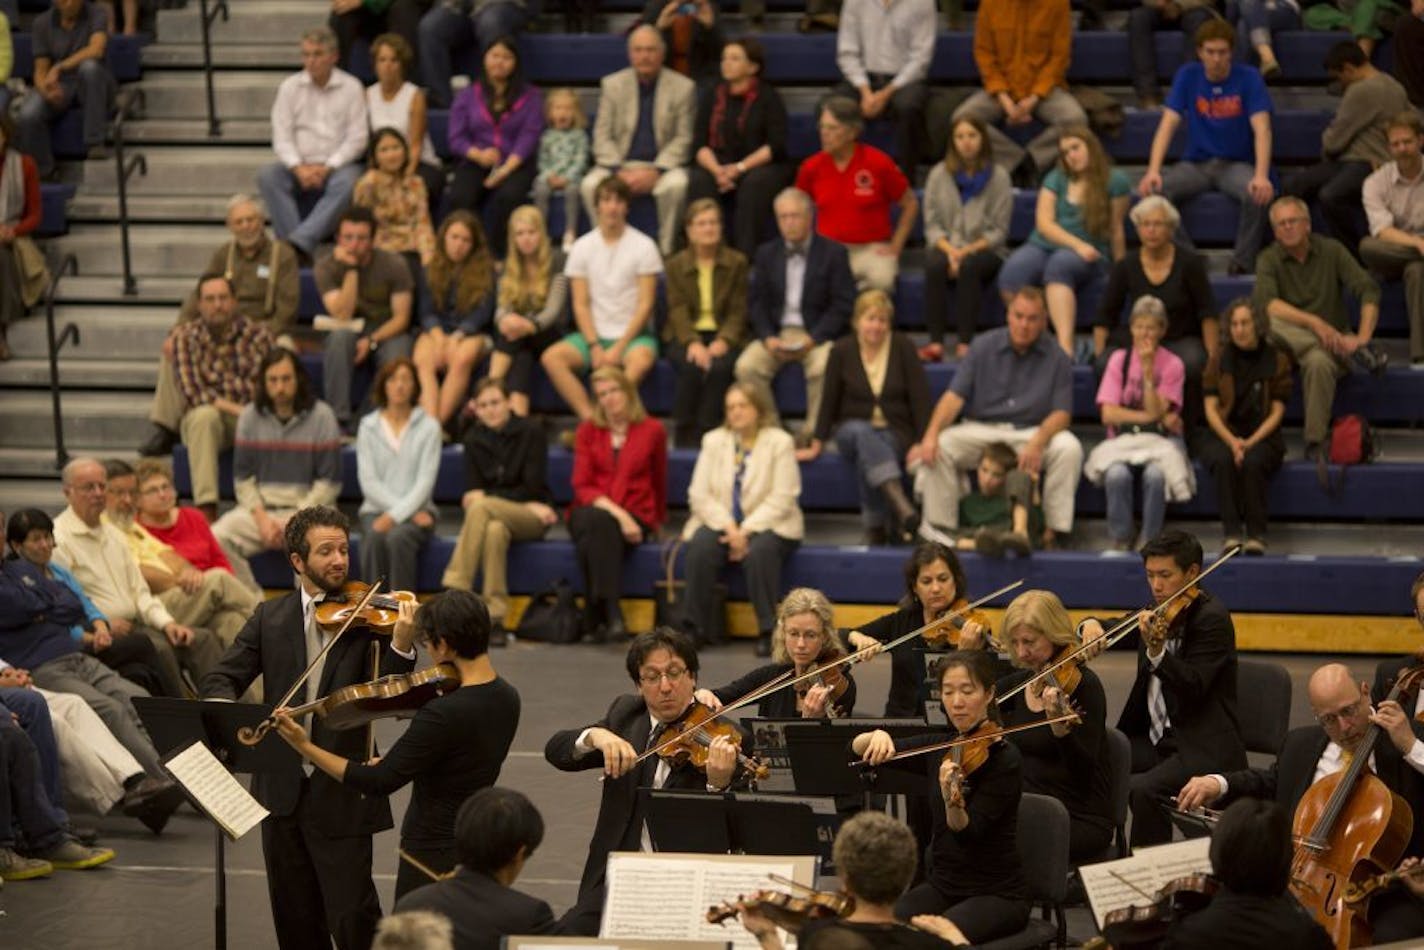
643	133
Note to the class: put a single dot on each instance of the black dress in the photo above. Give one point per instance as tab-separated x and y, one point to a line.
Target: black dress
1074	769
782	703
907	661
454	746
881	936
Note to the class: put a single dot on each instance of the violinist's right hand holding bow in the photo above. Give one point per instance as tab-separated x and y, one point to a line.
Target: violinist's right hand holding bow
1199	792
874	747
618	755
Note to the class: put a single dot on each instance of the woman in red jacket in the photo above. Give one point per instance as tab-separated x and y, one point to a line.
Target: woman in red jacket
620	493
19	215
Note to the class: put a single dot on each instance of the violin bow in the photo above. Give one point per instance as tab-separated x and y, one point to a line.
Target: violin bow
1119	630
945	618
422	867
1073	716
253	735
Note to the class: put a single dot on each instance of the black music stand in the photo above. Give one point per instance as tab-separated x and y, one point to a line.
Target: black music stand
733	823
821	758
175	724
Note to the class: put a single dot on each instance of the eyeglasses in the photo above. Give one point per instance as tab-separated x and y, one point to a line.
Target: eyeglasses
156	490
654	677
1342	714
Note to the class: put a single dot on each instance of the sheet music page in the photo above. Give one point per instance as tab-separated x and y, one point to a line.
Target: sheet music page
662	896
1116	884
215	789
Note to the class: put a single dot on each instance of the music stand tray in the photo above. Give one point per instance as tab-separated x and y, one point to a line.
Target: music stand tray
730	823
820	757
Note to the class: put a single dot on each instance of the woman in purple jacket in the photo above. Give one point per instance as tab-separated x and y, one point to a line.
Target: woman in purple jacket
495	124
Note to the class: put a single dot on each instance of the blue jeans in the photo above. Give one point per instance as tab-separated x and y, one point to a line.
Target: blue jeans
1261	19
33	713
25	810
1117	482
1031	264
1186	180
443	31
91	87
876	455
279	190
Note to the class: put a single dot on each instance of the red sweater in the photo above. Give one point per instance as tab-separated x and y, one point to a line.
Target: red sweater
30	217
191	537
635	478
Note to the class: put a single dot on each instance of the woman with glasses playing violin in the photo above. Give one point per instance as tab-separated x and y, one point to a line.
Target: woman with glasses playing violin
1070	763
974	886
805	636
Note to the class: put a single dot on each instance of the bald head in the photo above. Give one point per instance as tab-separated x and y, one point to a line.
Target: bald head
1340	703
1331	682
645	52
84	481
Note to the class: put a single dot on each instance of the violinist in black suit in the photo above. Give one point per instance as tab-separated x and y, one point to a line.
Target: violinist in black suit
1388	670
1181	713
317	842
663	666
1343	715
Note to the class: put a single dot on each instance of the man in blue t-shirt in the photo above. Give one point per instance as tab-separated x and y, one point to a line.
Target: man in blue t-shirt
1228	116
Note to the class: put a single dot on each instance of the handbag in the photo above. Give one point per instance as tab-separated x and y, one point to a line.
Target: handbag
34	271
1351	442
670	600
552	615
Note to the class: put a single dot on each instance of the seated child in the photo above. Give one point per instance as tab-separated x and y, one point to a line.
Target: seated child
1002	514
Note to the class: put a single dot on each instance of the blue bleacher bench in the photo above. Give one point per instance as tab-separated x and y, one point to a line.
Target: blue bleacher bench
54	200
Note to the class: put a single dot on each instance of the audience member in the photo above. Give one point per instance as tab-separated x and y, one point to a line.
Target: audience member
801	299
1014	386
969	202
397	459
1394	205
212	599
883	52
744	509
1002	513
1247	386
396	197
458	306
183	529
100	559
1078	231
1228	114
619	493
691	36
19	216
1354	144
643	133
739	144
1140	403
1365	20
1300	280
854	186
875	402
506	497
531	305
1257	23
563	158
1022	51
1409	51
613	273
453	25
1145	21
494	133
394	102
286	456
67	42
706	322
367	293
371	19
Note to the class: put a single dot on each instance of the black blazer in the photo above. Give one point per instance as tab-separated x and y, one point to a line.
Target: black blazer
1244	922
1199	688
846	394
826	298
272	645
481	909
620	813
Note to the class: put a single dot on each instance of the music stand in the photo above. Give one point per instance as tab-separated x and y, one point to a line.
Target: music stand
732	823
174	724
820	758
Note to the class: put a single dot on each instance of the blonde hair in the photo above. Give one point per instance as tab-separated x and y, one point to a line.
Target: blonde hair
523	289
475	275
560	94
636	412
758	396
870	299
804	600
1043	613
1097	203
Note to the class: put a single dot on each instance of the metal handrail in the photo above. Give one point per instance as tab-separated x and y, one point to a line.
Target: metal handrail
70	333
206	17
130	103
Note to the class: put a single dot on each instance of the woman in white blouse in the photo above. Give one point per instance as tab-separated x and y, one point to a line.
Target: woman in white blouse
394	102
745	509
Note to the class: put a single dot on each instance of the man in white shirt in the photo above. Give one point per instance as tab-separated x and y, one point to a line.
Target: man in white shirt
884	49
319	134
1394	205
613	274
99	558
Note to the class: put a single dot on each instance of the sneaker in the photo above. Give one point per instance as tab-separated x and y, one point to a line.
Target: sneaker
17	867
499	634
931	352
160	441
153	801
73	856
1371	359
1254	547
1271	71
1229	543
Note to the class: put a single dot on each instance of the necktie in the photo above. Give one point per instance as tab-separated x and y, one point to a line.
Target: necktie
742	456
1347	756
1157	707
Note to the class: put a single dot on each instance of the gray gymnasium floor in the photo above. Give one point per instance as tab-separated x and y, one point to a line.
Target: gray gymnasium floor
159	891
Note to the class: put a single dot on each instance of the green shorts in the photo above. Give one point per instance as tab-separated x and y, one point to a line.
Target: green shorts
577	341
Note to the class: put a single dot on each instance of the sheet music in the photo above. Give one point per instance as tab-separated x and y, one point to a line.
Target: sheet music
663	896
216	791
1116	884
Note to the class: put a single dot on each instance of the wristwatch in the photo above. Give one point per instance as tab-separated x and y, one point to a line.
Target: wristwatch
741	168
372	343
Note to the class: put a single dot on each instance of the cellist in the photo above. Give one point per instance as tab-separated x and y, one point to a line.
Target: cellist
1343	715
1387	670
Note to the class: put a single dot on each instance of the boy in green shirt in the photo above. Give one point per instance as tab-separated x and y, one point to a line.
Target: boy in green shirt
1001	515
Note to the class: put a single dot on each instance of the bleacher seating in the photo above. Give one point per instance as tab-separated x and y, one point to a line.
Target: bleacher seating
54	200
124	56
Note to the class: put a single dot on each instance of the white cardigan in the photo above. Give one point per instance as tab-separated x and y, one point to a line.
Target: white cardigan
771	485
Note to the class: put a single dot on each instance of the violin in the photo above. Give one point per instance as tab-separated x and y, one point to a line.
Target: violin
787	911
1148	924
354	706
689	740
1160	627
944	632
980	739
379	613
830	673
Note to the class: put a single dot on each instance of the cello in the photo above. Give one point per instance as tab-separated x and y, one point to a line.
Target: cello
1349	826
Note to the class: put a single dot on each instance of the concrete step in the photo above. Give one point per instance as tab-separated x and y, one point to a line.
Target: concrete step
198	209
181	170
156	249
77	372
239	94
256	131
91	287
249	22
43	493
227	54
105	333
36	464
107	421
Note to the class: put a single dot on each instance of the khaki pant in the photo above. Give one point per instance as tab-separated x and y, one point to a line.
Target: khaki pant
873	271
206	431
756	365
960	447
668	195
197	658
1320	370
169	403
490	525
222	604
237	531
1393	261
94	763
1057	110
